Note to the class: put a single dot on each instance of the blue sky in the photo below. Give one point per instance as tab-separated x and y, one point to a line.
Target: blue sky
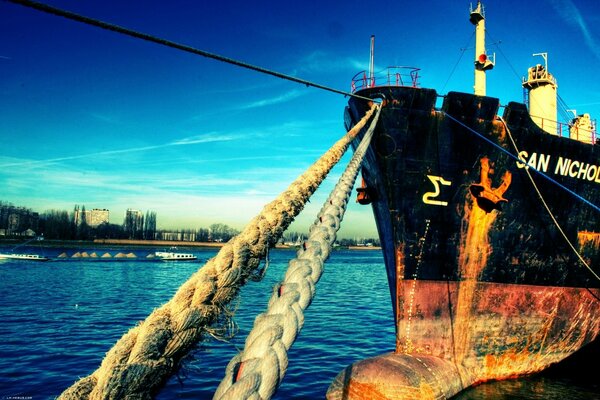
96	118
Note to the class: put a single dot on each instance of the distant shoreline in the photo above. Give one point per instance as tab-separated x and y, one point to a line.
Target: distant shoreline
152	243
169	243
199	244
364	248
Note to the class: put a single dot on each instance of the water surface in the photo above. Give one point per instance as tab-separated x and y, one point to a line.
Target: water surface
59	318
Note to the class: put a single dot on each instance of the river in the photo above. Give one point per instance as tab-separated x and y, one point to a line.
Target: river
60	317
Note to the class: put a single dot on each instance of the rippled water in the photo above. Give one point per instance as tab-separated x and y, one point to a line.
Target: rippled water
59	318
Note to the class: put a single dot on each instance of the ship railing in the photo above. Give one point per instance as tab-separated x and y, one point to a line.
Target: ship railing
391	76
579	133
569	130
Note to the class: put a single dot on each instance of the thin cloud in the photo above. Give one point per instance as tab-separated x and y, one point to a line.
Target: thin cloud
221	196
188	200
228	110
274	100
104	118
61	179
206	138
573	17
319	61
76	157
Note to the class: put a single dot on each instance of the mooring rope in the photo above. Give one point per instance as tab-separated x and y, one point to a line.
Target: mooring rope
258	370
142	360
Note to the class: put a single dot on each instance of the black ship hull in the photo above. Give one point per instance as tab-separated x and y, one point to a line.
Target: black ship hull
490	234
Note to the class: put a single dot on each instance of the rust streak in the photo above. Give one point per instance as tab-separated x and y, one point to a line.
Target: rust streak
473	254
400	346
586	237
386	391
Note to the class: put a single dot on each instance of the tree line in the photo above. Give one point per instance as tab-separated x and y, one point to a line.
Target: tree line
62	225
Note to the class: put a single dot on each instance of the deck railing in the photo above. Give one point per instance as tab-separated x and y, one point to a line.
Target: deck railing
391	76
564	129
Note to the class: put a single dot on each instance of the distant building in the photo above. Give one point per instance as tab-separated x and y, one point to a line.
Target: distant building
20	220
97	217
93	218
133	215
188	236
13	222
133	223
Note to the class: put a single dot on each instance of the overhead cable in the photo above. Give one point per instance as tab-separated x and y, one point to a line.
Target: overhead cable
139	35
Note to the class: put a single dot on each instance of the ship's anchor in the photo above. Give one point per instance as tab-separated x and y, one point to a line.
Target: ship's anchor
486	197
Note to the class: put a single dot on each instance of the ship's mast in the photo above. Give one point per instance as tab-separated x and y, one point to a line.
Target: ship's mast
372	62
482	63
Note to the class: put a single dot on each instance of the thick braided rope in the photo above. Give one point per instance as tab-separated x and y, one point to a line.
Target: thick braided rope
142	360
257	371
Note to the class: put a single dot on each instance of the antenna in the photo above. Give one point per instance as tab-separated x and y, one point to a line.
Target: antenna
545	56
372	62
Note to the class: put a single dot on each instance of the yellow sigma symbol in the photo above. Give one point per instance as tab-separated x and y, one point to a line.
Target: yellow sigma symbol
429	196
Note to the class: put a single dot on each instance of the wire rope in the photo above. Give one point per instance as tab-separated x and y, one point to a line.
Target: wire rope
564	235
164	42
462	53
502	149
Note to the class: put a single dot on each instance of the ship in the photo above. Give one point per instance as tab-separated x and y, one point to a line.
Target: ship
24	257
174	256
489	226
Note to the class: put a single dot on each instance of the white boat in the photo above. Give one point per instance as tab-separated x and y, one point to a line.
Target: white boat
172	256
28	257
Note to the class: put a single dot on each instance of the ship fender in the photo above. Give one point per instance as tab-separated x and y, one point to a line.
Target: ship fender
399	376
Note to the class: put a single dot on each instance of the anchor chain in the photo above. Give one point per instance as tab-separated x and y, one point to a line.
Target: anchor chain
142	360
257	371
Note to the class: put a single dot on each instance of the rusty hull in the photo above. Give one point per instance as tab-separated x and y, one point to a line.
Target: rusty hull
483	282
506	331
